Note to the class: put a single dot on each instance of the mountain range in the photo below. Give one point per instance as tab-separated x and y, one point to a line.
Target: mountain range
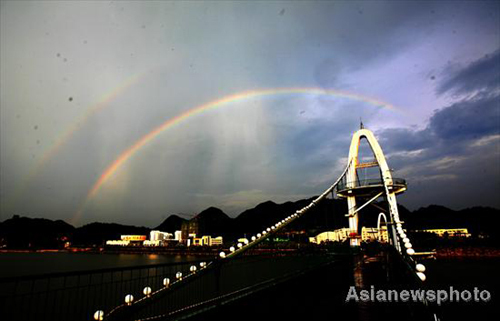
24	232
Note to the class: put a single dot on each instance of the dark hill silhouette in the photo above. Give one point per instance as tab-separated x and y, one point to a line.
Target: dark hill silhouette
25	232
482	219
319	218
434	216
476	219
171	224
98	233
215	222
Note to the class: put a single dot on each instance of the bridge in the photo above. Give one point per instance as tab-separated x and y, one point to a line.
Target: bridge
243	284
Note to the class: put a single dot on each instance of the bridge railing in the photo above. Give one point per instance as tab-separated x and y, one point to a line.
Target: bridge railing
78	295
220	282
343	185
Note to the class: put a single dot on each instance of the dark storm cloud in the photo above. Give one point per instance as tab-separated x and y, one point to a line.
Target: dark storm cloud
459	147
404	139
443	168
193	52
480	75
449	132
469	119
449	128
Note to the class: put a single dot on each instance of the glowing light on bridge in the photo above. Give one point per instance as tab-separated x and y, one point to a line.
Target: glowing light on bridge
99	315
421	276
129	298
147	291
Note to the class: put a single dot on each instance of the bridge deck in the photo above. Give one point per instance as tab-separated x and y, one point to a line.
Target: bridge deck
320	294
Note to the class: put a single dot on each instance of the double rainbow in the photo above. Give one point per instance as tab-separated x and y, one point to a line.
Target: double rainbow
225	101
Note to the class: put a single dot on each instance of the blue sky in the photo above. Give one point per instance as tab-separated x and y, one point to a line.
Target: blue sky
437	62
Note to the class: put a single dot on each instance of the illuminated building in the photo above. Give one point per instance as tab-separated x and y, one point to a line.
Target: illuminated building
133	237
372	234
189	229
451	232
342	234
118	242
383	235
135	240
207	240
216	241
159	236
338	235
178	235
322	237
152	243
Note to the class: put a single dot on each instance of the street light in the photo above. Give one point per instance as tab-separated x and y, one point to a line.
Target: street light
99	315
129	298
420	267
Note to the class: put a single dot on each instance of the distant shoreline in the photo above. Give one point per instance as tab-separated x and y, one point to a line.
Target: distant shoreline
140	250
467	252
448	252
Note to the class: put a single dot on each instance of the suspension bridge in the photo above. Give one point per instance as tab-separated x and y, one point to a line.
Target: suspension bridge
235	285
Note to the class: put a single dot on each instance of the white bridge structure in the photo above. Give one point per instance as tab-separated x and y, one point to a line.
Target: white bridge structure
358	192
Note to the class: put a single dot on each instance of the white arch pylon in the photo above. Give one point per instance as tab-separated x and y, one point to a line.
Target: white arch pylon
380	216
351	179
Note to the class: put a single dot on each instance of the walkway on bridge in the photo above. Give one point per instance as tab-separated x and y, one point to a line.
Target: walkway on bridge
320	294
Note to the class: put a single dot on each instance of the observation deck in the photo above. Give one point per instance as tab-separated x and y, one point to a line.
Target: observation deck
367	187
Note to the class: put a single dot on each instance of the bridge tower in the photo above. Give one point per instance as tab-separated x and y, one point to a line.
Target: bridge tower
355	189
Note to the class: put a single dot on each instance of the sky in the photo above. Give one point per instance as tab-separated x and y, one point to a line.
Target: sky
128	112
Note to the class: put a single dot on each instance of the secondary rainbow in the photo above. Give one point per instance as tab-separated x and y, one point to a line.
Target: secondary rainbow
101	104
72	129
129	152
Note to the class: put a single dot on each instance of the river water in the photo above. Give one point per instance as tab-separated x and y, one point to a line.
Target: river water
23	263
462	274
